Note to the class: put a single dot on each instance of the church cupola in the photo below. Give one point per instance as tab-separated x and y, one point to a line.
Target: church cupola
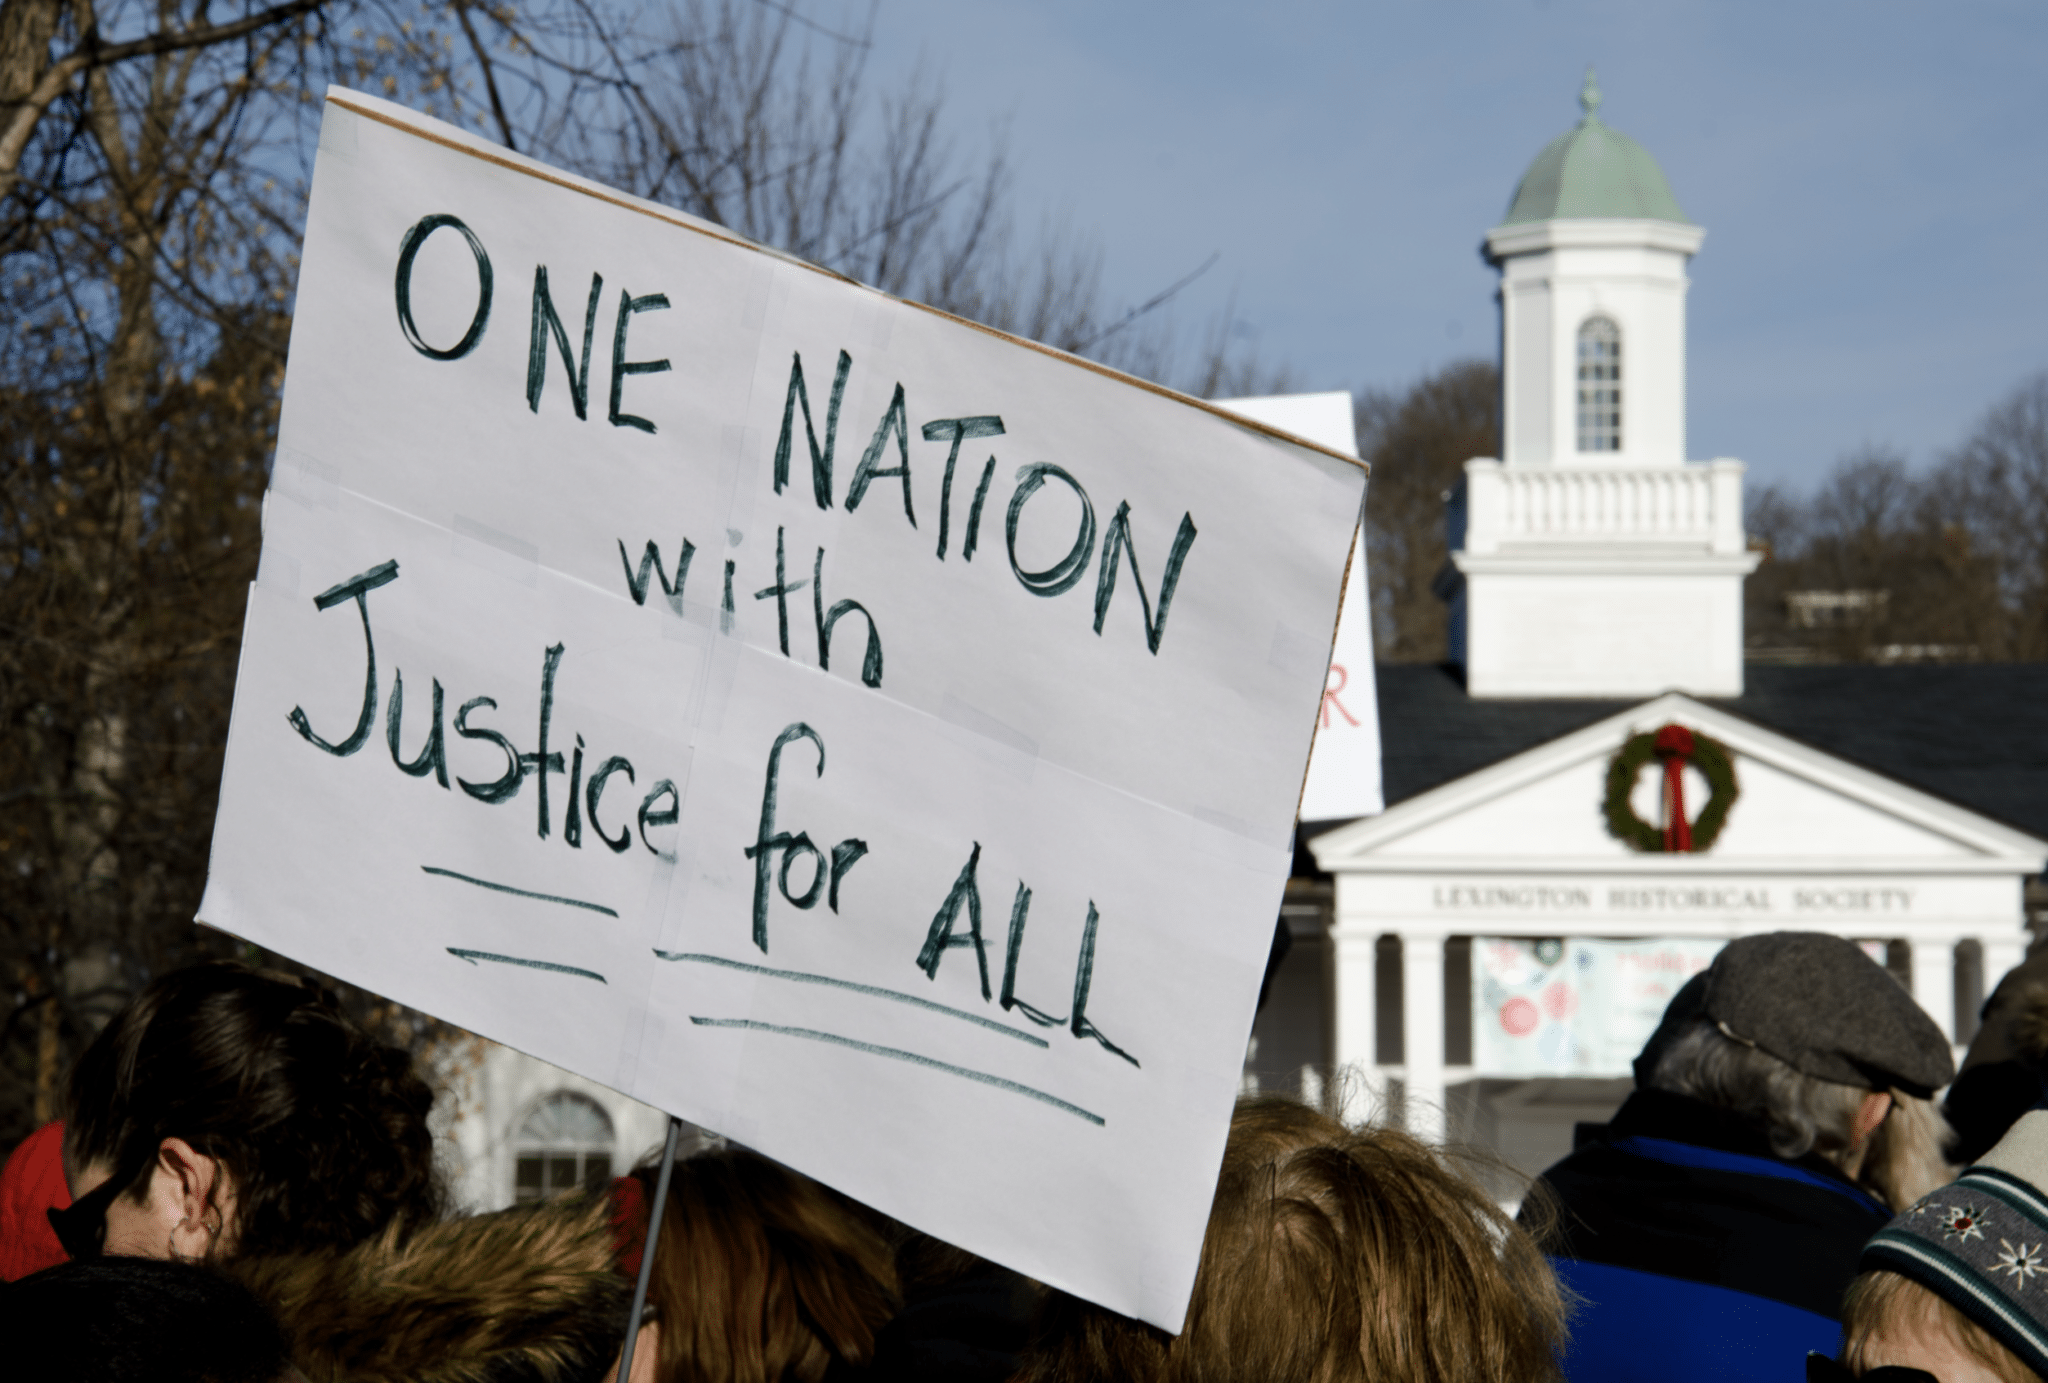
1591	559
1592	256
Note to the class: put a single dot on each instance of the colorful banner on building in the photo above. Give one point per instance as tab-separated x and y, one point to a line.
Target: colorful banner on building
1573	1007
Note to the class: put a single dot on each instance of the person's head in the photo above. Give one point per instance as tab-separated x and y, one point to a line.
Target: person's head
135	1320
761	1274
1958	1284
2005	1072
1812	1042
230	1111
1890	1321
1331	1255
1888	1140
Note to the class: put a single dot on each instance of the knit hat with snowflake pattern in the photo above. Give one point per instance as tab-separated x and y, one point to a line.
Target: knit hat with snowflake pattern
1981	1242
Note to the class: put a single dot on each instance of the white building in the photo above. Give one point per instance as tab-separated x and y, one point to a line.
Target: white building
1520	849
514	1129
1596	599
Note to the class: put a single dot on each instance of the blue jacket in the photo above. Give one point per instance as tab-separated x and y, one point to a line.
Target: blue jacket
1697	1253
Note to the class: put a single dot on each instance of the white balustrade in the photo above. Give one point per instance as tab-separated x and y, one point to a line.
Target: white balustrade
1696	505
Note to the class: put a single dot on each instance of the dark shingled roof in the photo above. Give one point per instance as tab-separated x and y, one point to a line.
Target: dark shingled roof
1976	734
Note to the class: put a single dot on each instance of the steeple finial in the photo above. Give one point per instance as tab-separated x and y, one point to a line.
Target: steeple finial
1589	95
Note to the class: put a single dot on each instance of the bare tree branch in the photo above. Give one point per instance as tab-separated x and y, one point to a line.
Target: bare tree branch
490	71
92	53
1151	304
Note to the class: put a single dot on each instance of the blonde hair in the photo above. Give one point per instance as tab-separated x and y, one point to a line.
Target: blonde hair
1885	1305
1905	1158
1331	1255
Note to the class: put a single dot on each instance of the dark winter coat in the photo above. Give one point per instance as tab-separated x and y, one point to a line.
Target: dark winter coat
1698	1253
523	1295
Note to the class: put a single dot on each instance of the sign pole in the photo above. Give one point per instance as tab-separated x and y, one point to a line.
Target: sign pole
654	1213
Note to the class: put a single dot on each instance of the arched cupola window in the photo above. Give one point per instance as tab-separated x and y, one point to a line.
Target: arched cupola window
1599	385
564	1145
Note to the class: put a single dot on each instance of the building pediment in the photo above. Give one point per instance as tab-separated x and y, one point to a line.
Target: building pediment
1799	809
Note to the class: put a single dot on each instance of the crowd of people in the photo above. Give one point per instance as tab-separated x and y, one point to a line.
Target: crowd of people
244	1190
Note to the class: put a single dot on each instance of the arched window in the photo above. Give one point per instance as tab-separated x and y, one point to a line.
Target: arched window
564	1145
1599	385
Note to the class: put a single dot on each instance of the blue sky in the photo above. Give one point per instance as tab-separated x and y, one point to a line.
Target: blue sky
1873	178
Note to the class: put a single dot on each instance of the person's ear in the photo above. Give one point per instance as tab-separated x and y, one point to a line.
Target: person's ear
1876	1107
198	1188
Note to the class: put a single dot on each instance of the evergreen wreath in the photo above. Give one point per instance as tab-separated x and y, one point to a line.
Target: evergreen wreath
1710	757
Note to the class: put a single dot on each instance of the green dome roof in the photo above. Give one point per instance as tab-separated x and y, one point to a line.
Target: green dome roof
1590	171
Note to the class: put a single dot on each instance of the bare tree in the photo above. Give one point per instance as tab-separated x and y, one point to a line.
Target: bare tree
761	119
1875	564
145	283
152	163
1418	442
1994	487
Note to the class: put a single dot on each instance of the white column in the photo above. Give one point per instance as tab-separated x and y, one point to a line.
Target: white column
1422	1031
1934	980
1353	979
1354	983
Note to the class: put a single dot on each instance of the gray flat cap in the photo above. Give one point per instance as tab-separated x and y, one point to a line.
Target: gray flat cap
1820	1005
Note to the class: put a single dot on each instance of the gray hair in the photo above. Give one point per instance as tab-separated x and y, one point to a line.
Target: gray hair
1800	1114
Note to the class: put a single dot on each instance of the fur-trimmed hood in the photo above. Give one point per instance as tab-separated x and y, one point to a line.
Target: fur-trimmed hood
523	1294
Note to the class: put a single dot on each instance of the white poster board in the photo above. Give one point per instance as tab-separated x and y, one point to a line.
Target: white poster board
1344	767
1573	1007
863	734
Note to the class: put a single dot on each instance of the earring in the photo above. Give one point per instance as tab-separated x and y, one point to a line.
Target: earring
212	1237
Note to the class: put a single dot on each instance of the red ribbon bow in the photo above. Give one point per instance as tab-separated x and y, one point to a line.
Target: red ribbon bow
1674	745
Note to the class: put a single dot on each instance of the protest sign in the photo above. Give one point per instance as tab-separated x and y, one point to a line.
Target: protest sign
1344	767
861	733
1574	1007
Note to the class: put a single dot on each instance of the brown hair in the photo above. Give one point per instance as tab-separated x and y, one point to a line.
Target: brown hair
322	1128
1331	1255
761	1274
1882	1305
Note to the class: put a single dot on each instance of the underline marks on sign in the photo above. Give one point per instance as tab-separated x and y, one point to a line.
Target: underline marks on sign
898	1054
873	991
517	892
474	956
